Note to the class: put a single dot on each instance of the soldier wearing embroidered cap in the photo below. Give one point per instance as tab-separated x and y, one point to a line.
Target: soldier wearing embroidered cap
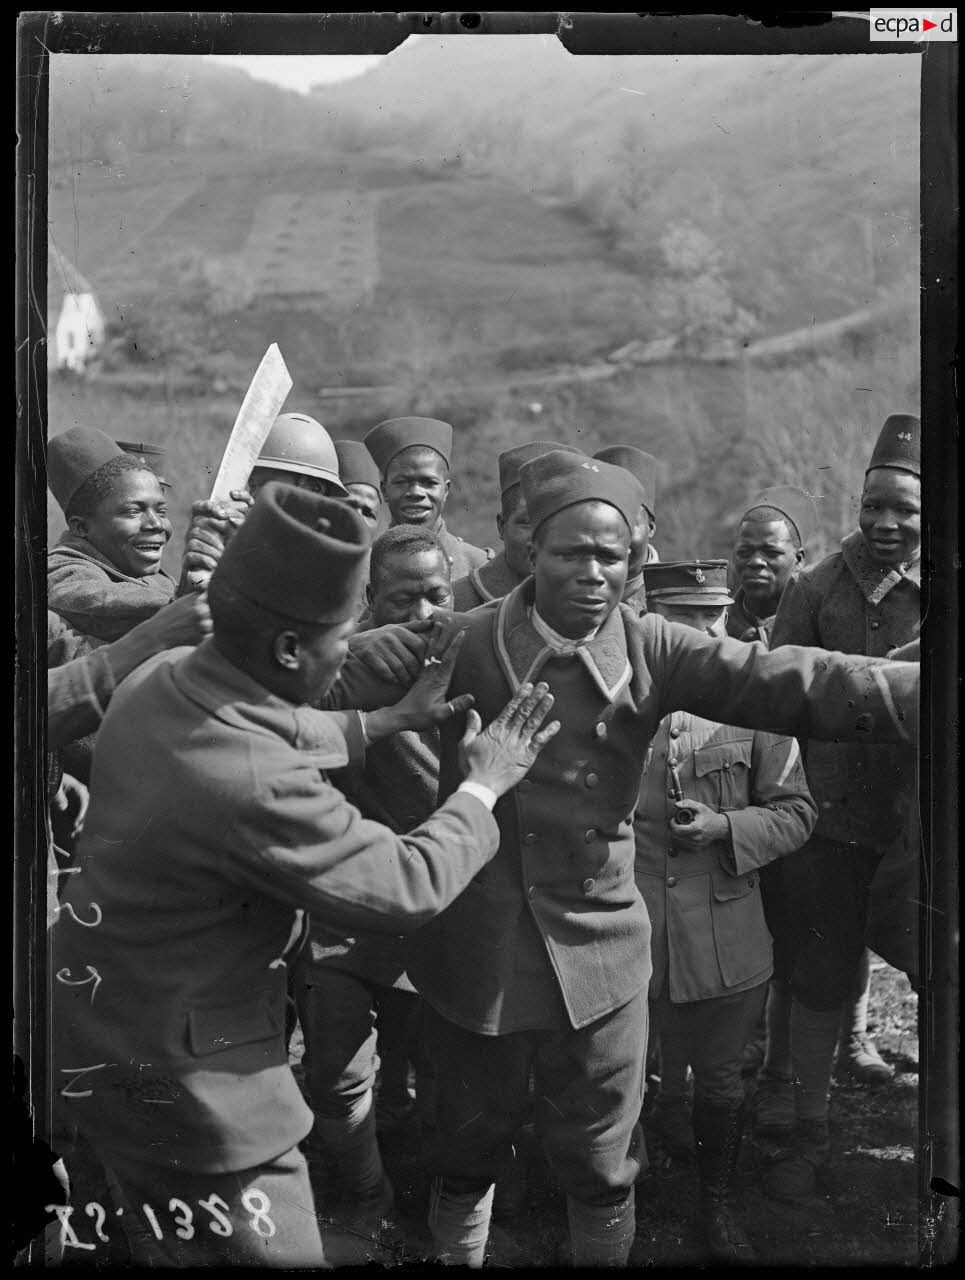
542	964
508	568
642	551
863	599
414	457
212	825
717	803
768	551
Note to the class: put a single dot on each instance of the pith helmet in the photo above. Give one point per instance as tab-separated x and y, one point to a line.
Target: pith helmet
298	443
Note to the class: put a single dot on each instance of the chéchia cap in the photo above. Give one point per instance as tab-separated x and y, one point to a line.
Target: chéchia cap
355	464
298	554
298	443
640	464
688	582
899	444
74	456
559	479
796	505
389	438
510	460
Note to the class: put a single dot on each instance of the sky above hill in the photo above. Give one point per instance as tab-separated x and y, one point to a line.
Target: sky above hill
297	71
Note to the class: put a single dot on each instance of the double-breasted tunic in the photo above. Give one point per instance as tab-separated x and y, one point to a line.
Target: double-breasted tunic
211	822
490	580
849	603
463	556
553	931
709	937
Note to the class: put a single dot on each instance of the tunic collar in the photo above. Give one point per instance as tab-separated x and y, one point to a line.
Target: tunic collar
74	548
875	580
210	679
523	652
494	579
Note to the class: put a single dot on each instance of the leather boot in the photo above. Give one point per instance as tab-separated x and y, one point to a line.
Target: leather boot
718	1136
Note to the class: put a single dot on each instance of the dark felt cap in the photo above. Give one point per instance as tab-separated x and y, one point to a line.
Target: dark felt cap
355	464
559	479
796	505
389	438
640	464
899	444
510	460
688	582
74	456
298	554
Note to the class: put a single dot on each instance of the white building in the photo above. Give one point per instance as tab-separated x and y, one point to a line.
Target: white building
75	322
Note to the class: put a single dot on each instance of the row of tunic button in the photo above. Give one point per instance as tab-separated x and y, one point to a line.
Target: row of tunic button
588	885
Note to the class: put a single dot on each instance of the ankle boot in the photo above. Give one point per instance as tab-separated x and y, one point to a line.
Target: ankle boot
718	1136
601	1235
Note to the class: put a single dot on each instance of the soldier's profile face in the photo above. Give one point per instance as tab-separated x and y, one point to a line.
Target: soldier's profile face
579	562
416	487
890	515
321	654
515	530
410	588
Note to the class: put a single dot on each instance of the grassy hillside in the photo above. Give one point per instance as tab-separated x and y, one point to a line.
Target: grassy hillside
470	229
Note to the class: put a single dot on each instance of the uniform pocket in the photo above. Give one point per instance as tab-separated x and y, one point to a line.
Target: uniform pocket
217	1030
724	770
741	936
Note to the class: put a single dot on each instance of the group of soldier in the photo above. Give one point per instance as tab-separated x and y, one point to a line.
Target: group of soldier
487	824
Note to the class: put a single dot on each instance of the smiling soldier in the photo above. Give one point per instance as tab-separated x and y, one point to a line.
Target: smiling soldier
865	598
542	964
414	456
104	575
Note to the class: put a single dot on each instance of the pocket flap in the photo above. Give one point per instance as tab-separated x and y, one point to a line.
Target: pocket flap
731	887
216	1030
723	755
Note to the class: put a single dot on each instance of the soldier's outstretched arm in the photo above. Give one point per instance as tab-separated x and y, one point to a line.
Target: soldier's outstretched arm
806	692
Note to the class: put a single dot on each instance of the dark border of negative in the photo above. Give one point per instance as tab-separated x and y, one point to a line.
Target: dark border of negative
748	31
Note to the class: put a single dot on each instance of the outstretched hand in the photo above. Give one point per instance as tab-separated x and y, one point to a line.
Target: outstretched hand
502	754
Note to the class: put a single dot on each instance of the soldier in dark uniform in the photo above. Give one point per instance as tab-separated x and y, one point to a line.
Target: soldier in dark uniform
351	988
542	963
507	569
768	551
414	456
863	599
642	551
211	823
746	803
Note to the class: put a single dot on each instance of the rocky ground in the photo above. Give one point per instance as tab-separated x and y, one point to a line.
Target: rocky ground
866	1211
